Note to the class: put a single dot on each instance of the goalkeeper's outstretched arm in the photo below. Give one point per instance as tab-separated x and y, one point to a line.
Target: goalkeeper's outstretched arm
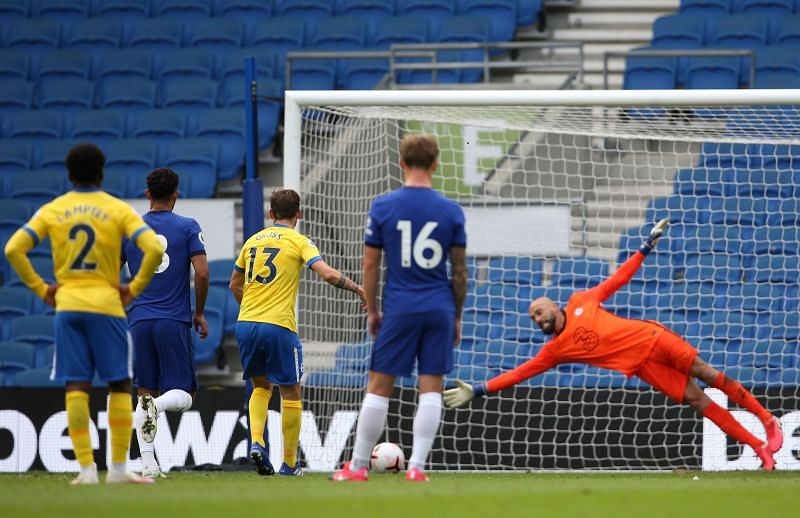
464	392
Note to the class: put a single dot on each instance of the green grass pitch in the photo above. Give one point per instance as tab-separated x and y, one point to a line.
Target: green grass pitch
503	495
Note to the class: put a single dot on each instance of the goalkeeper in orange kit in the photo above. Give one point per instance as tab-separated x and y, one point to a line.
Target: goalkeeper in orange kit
584	332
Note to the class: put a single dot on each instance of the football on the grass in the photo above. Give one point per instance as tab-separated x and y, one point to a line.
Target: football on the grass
387	457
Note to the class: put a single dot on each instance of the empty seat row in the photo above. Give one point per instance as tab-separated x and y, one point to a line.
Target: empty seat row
713	8
741	31
340	33
721	210
754	183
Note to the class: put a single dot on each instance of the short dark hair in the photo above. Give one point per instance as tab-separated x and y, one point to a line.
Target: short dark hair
284	203
419	151
162	183
85	164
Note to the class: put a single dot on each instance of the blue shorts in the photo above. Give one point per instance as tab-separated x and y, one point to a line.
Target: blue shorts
271	351
428	337
164	355
86	342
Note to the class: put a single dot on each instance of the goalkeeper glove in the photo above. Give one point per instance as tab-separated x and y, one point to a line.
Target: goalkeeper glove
462	394
654	236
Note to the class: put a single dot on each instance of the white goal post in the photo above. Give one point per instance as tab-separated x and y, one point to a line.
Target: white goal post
558	188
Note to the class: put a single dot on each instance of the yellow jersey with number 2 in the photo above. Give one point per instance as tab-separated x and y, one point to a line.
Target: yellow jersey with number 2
271	261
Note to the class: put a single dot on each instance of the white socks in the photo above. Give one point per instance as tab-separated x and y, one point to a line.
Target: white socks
371	422
145	448
174	401
426	424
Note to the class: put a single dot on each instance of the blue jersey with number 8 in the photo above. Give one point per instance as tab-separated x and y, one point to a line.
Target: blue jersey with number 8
416	227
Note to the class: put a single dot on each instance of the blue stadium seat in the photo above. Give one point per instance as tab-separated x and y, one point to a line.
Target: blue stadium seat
195	159
64	63
307	9
758	298
774	354
700	181
463	29
434	11
16	95
685	209
763	183
778	81
183	9
124	9
770	8
219	271
658	269
579	272
34	34
206	349
509	297
723	155
231	315
775	268
632	238
123	64
232	95
340	33
98	126
248	9
692	239
35	125
181	64
776	62
470	374
38	186
738	211
65	94
15	357
628	303
529	11
231	63
679	31
36	378
788	32
14	156
14	10
51	154
742	31
156	34
95	34
158	124
335	378
686	302
784	326
126	93
400	29
783	212
353	357
516	270
215	33
710	8
115	182
371	11
189	93
226	126
650	73
33	329
14	64
363	74
14	302
777	240
313	74
502	15
134	156
728	325
713	72
278	34
62	9
713	268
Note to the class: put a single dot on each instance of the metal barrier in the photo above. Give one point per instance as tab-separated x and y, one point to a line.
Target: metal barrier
681	53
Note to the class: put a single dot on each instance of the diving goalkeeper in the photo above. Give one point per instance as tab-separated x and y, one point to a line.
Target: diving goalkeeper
584	332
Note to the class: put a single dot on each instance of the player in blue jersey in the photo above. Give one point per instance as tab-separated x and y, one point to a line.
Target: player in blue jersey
161	318
418	229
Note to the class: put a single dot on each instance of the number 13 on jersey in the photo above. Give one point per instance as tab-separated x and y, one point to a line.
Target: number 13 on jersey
268	266
415	248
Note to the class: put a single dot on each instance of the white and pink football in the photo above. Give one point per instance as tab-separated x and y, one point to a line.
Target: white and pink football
387	457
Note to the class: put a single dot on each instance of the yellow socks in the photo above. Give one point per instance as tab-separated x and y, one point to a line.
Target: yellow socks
77	403
291	412
259	405
120	422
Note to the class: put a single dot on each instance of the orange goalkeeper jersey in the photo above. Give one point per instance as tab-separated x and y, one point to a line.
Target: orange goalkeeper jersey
592	335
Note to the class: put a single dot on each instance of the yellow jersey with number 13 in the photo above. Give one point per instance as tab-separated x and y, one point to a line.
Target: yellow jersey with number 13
86	227
271	261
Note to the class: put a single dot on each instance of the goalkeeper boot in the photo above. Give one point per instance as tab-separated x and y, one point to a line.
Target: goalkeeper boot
347	473
765	454
774	434
125	477
150	425
289	471
416	475
87	476
260	457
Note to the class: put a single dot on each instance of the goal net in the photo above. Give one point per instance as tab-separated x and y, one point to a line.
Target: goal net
558	188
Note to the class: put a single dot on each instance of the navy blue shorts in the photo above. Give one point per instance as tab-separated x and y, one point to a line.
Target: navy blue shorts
164	355
271	351
426	337
89	342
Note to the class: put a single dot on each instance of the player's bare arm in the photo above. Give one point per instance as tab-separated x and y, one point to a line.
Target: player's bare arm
458	257
336	278
236	285
201	282
371	275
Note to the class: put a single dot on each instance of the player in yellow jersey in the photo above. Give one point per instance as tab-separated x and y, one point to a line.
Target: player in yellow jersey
265	280
86	227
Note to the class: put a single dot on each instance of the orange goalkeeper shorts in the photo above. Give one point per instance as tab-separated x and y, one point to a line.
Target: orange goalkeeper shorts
667	368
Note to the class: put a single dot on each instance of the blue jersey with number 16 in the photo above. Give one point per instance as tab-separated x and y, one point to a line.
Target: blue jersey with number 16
416	227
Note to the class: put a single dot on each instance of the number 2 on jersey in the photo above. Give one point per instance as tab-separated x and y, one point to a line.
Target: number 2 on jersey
80	260
420	244
268	263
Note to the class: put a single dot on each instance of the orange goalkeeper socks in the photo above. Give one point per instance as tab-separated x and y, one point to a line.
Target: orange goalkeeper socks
741	396
731	426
